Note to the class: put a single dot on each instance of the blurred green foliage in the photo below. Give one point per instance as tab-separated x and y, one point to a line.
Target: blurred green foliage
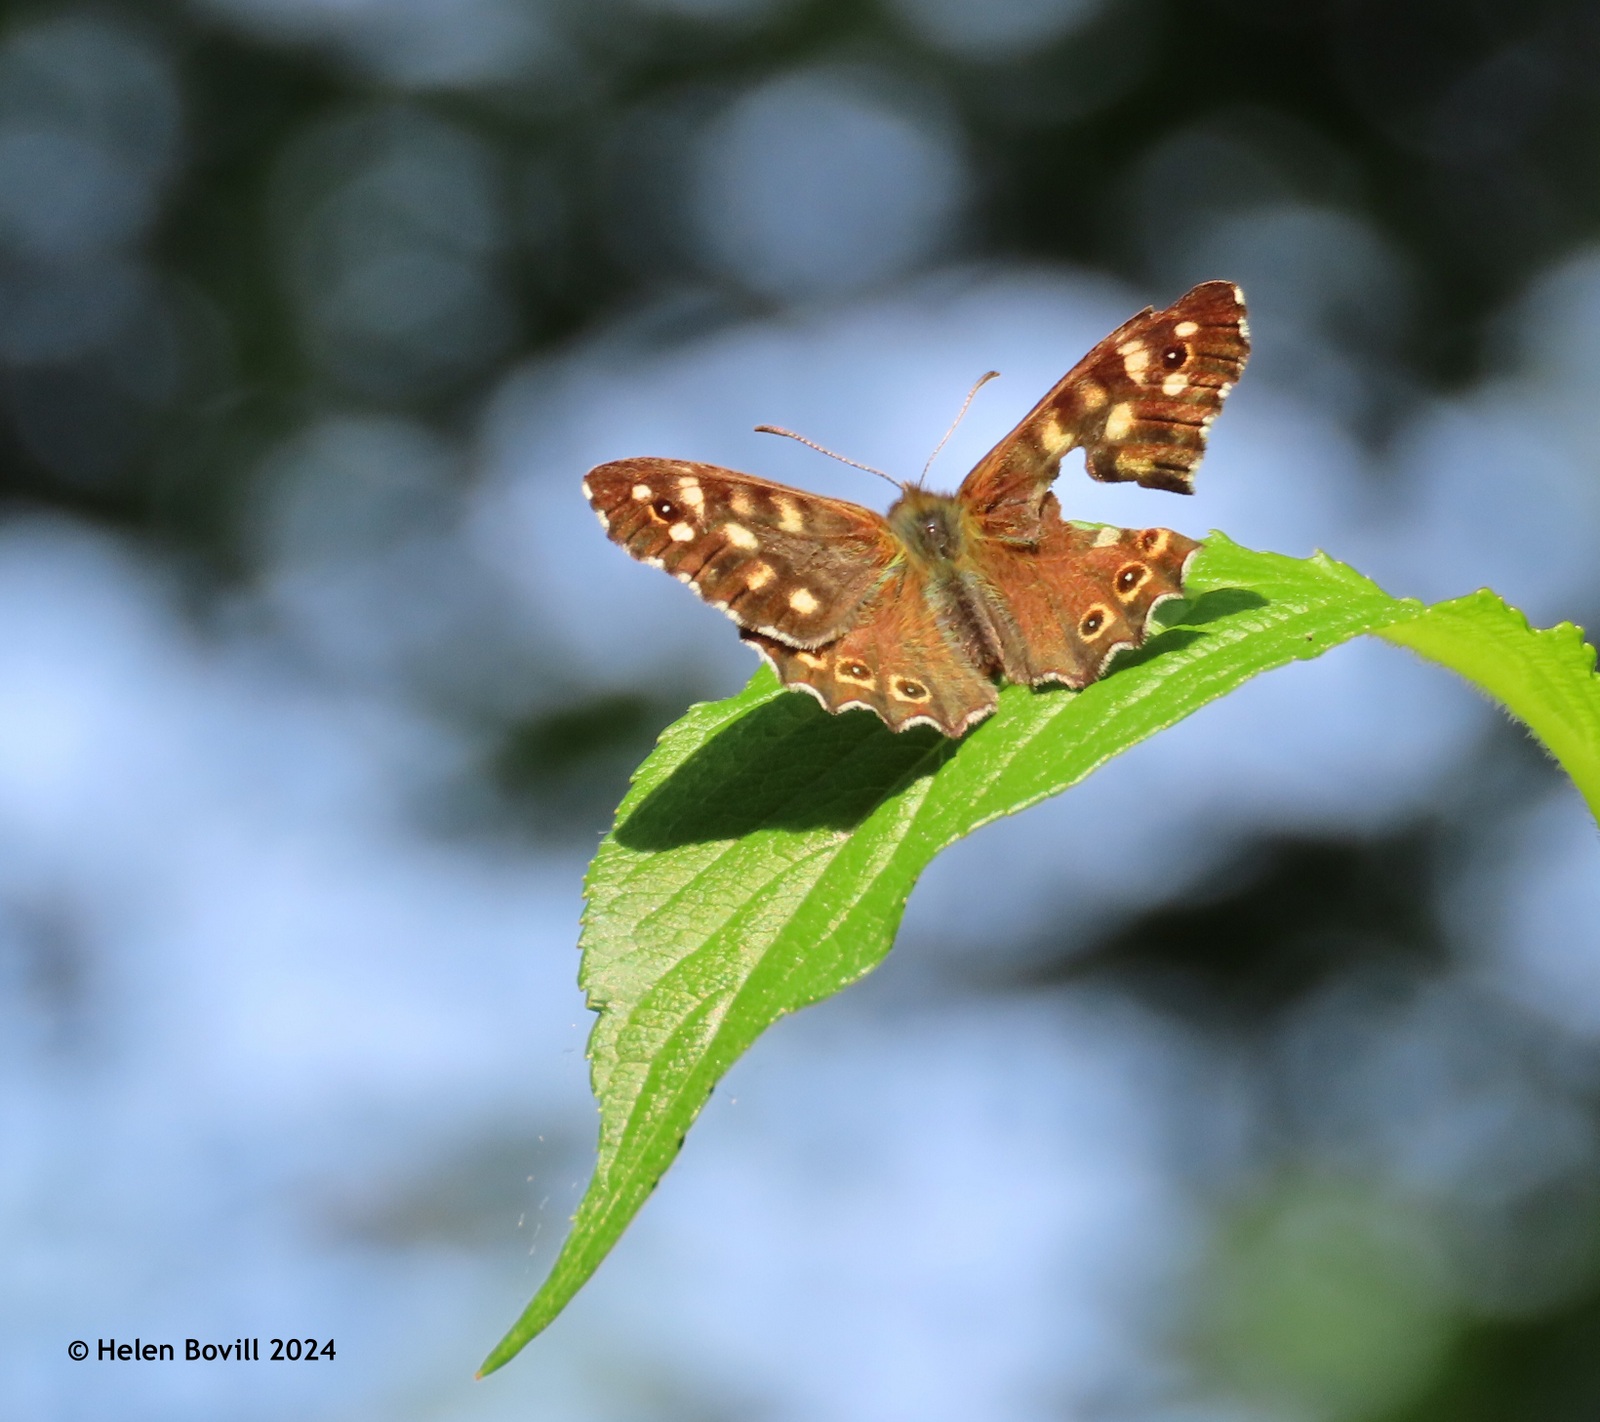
567	769
1469	136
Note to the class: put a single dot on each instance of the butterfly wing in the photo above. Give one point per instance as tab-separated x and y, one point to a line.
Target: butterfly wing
792	566
897	660
1140	404
1081	593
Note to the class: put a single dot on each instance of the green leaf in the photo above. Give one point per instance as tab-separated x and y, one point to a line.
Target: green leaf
1546	679
762	859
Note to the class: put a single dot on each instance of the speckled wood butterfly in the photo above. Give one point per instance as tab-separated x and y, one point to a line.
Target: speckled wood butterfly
914	614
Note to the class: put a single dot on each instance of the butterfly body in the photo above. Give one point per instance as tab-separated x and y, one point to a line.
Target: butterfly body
914	614
943	547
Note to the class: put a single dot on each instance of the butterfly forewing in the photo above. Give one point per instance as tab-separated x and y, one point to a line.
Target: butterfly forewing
1140	404
792	565
1180	364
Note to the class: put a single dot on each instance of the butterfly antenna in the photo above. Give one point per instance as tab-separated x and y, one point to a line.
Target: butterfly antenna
961	414
823	449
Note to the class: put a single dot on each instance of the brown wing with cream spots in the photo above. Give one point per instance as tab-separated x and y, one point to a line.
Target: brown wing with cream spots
787	564
897	662
1140	404
1084	592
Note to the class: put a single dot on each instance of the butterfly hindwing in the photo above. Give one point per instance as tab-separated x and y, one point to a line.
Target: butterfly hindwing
1140	404
897	661
1083	593
789	564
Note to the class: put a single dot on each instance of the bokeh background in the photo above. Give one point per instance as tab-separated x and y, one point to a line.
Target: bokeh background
1256	1080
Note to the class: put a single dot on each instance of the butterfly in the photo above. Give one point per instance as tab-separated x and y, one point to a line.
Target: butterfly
915	614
